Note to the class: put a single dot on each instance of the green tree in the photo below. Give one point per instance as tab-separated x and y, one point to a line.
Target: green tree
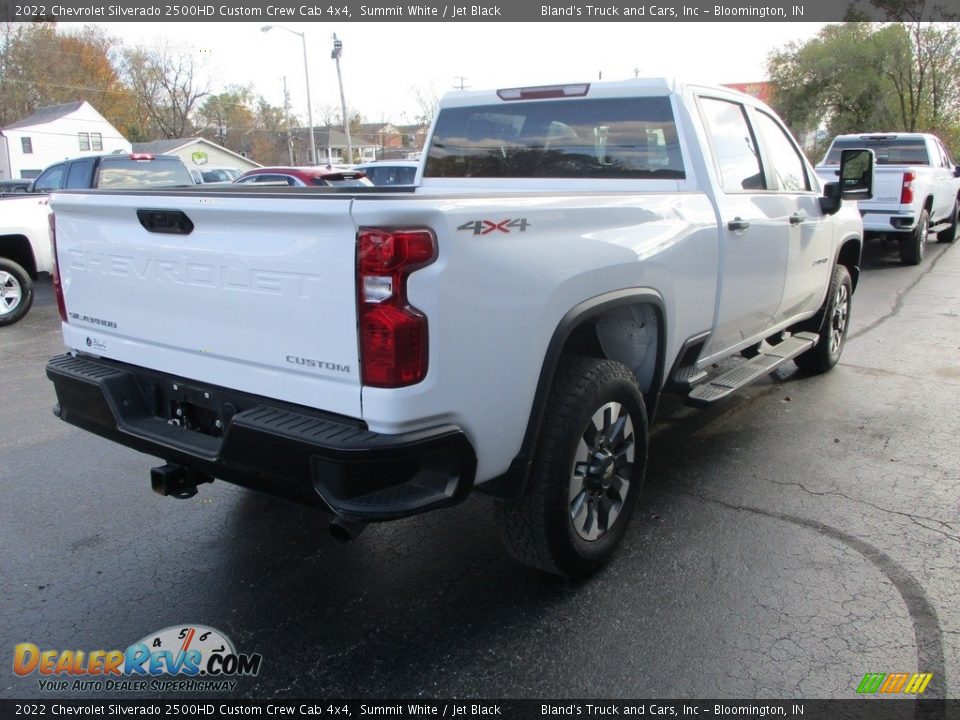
856	77
40	66
228	118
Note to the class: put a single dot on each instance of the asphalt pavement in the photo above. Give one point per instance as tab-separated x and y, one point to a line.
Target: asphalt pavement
788	542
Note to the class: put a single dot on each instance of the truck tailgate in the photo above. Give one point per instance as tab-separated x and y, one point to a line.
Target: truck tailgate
887	186
258	296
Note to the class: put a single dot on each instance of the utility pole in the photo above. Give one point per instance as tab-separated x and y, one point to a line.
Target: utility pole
335	55
461	78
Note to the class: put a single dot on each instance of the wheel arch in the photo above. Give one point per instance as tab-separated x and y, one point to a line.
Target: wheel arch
18	249
577	333
849	256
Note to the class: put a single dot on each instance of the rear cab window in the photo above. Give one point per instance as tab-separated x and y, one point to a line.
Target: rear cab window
627	138
125	173
889	150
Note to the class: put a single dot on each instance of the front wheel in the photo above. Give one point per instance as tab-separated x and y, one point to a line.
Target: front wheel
832	323
587	471
16	292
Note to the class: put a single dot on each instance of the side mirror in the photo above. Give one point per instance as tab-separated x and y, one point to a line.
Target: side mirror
856	174
856	180
956	171
831	202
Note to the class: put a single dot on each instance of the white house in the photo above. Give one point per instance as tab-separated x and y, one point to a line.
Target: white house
55	133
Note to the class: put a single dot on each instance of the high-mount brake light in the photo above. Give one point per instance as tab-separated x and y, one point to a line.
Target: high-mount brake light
141	156
57	284
544	92
906	192
393	333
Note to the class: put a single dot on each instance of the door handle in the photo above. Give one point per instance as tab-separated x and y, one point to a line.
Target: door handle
738	224
797	218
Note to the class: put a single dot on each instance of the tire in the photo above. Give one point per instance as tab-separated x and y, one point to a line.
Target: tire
950	234
587	471
832	323
16	292
912	246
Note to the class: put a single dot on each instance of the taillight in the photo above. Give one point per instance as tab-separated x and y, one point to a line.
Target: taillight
57	285
393	333
906	192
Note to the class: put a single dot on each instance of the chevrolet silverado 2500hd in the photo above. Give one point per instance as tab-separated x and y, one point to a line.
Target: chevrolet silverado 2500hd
916	189
507	326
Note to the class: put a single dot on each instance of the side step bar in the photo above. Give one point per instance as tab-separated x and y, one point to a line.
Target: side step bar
766	362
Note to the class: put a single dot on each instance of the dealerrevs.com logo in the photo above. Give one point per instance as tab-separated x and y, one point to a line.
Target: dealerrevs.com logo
179	658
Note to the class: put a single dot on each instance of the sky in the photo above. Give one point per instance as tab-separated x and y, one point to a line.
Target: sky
386	65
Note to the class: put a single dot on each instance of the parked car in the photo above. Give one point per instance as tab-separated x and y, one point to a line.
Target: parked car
390	172
206	175
25	217
916	188
304	177
507	327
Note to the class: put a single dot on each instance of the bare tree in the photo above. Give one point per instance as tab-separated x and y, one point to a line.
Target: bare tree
165	83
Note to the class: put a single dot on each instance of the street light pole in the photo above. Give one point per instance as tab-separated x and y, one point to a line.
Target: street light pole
306	75
286	117
335	55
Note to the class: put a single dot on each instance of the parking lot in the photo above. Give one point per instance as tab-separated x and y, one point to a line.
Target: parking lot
802	534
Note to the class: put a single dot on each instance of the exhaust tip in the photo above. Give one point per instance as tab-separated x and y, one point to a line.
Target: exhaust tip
343	531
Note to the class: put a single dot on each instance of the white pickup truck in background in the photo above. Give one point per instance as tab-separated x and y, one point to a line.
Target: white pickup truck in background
24	251
916	188
25	218
507	325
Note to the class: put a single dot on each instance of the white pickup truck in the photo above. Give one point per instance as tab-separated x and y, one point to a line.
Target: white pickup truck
24	252
25	218
916	189
507	326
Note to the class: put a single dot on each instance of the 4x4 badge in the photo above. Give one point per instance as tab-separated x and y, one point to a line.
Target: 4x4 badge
485	227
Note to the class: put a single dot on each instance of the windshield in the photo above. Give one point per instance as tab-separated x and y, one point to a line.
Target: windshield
889	150
605	138
125	173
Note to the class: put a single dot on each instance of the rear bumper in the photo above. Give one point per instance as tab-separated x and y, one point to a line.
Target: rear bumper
888	222
293	452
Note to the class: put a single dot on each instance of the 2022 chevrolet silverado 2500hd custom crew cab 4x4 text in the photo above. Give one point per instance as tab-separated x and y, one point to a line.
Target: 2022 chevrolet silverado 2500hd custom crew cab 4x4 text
25	217
506	326
916	189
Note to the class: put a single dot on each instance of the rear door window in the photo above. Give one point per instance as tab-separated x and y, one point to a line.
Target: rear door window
733	144
80	174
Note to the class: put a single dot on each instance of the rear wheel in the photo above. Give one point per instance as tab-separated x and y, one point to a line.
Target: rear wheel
586	474
16	292
912	246
950	233
832	323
